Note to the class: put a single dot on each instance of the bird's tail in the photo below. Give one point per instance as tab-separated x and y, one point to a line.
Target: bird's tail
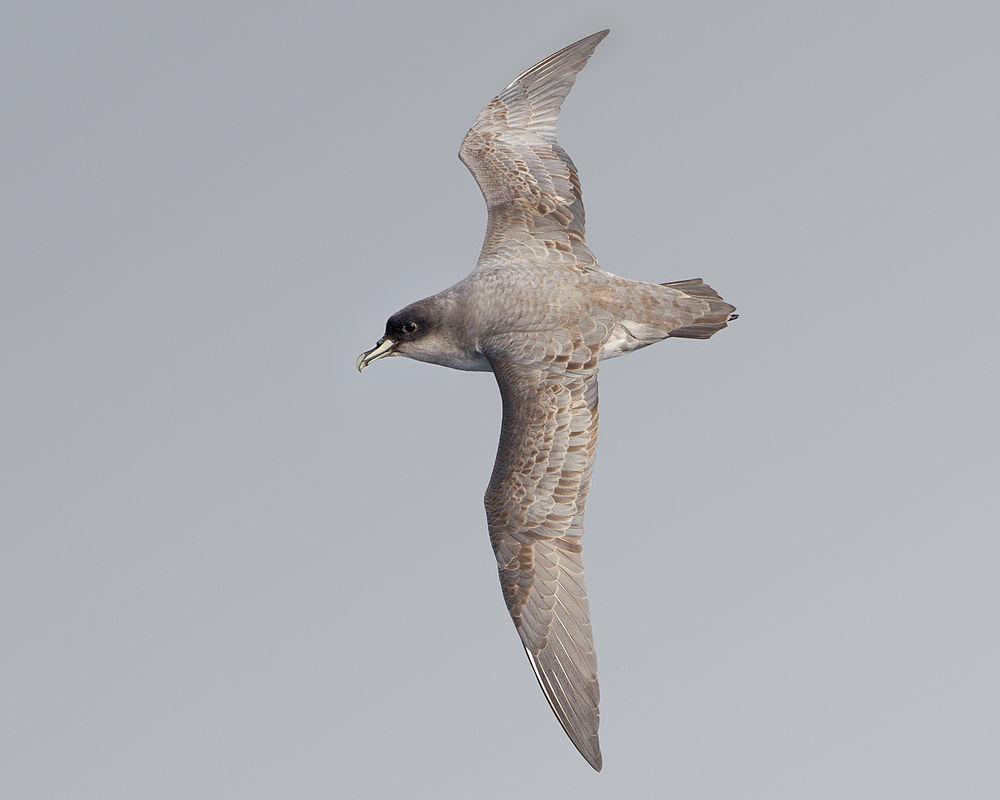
711	312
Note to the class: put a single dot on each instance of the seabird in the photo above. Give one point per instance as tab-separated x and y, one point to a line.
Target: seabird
540	314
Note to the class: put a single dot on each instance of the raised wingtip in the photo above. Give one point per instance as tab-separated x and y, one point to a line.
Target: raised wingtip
595	38
571	58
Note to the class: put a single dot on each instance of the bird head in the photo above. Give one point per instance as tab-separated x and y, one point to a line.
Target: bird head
414	332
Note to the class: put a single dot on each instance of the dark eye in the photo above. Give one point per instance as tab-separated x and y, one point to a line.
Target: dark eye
410	327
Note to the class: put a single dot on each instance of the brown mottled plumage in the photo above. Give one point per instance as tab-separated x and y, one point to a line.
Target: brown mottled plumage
540	313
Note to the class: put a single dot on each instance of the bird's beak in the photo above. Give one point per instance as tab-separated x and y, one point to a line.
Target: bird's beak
383	347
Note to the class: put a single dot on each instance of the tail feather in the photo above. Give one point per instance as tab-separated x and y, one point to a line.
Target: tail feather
695	287
652	312
718	314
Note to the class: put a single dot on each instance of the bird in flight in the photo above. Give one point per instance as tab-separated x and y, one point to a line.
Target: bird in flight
540	314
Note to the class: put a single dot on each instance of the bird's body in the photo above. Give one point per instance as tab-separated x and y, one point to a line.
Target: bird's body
540	313
491	306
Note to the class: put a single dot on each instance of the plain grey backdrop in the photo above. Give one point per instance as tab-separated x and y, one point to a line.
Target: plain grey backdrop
233	568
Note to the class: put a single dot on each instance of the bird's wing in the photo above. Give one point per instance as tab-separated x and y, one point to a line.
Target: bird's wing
535	507
531	187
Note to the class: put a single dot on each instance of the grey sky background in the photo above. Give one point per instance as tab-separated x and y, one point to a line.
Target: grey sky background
231	567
